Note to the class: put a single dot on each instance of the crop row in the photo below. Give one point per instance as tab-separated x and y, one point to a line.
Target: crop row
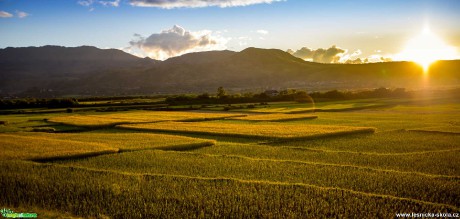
393	142
433	163
276	117
438	190
278	131
446	129
125	195
112	119
17	146
42	146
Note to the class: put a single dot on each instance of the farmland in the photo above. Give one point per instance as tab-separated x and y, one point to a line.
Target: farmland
361	162
112	119
276	117
278	131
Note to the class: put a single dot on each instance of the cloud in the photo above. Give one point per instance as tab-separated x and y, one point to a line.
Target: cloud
370	59
169	4
88	3
4	14
357	61
349	57
329	55
263	32
114	3
85	3
21	14
335	54
177	41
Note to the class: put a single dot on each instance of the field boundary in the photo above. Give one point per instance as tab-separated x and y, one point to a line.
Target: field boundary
179	147
433	132
310	117
114	124
370	153
75	156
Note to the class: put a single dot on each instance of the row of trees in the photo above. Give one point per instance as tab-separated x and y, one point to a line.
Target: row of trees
38	103
222	96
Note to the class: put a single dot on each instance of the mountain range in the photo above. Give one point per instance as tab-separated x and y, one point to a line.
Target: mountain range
53	71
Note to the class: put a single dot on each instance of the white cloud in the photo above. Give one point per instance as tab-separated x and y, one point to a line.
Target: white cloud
169	4
4	14
114	3
263	32
88	3
380	58
345	57
329	55
85	2
177	41
21	14
370	59
338	55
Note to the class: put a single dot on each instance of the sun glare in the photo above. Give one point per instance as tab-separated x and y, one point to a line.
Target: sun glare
427	48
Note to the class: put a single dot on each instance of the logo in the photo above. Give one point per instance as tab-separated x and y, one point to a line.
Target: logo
8	213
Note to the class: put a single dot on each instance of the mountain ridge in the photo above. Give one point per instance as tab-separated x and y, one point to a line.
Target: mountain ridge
58	71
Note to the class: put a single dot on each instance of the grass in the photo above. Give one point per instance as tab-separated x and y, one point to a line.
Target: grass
112	119
436	190
392	142
131	195
42	146
139	141
325	173
430	163
277	131
38	147
26	123
276	117
450	129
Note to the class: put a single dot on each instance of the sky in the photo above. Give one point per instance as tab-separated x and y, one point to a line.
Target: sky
317	30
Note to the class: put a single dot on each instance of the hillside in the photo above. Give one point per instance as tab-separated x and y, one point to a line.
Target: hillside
56	71
42	68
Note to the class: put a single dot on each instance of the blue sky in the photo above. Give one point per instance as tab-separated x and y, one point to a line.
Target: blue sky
364	27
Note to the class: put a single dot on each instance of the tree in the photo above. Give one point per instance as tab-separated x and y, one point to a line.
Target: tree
203	96
302	97
221	93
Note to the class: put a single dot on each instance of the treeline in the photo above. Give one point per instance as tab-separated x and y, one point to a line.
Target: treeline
350	95
115	98
38	103
222	97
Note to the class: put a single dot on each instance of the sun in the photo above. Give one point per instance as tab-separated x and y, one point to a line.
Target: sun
427	48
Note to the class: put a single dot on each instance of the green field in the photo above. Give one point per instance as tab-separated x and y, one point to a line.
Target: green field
275	117
367	162
112	119
267	131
